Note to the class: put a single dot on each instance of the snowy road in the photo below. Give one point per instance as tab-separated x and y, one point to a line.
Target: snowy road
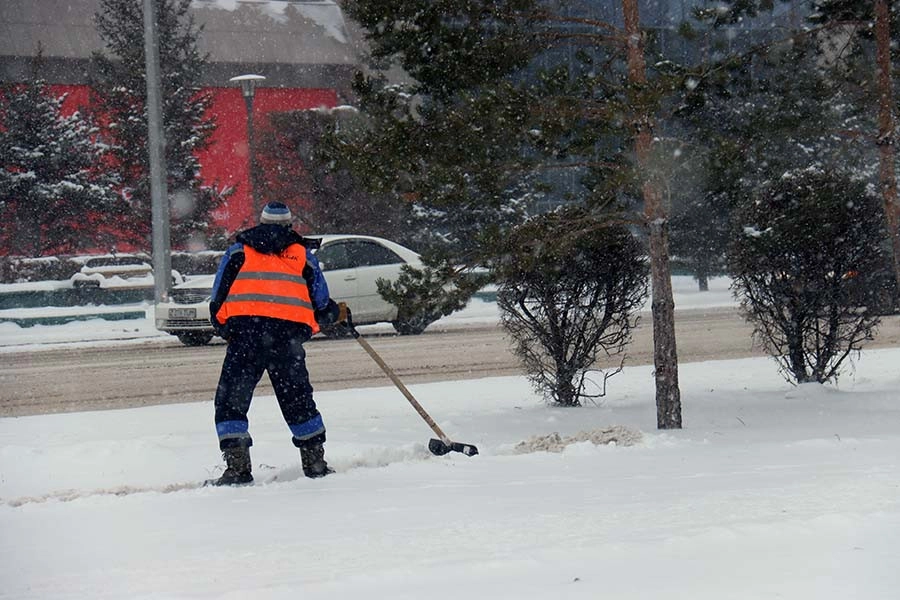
160	371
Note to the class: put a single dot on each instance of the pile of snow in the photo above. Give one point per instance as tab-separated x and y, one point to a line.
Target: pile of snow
617	435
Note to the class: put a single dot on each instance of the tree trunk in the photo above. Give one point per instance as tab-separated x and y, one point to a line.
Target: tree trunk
26	229
887	176
665	357
703	279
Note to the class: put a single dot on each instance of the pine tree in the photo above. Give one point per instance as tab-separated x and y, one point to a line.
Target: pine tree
857	41
505	98
745	131
56	192
878	19
462	139
119	95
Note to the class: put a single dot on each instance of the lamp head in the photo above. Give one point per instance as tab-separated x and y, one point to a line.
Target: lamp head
248	83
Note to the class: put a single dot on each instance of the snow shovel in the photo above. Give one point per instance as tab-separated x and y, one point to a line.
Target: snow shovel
439	446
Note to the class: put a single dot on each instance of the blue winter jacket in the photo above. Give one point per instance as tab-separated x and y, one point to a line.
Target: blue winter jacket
271	239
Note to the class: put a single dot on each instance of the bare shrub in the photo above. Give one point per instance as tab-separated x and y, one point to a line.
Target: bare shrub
569	287
807	250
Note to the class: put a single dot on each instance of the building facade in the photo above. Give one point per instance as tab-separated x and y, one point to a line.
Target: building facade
304	50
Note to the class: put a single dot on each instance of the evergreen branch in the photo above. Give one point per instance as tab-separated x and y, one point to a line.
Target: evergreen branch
763	48
580	164
586	37
549	17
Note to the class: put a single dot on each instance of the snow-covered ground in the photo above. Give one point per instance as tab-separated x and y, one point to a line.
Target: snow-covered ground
770	491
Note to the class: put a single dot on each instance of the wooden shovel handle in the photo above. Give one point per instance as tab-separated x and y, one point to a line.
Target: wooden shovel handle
403	389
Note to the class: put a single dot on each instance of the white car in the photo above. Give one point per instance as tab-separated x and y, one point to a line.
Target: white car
351	265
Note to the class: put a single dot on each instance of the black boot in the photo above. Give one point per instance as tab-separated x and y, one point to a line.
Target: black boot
313	460
239	467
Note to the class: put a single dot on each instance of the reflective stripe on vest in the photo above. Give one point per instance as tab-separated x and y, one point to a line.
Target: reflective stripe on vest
271	285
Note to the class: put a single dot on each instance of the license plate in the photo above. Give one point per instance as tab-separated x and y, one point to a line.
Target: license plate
182	313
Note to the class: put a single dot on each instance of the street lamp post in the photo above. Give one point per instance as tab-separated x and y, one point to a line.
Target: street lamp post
248	85
156	143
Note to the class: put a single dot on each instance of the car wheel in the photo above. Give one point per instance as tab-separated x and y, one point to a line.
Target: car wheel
412	325
195	338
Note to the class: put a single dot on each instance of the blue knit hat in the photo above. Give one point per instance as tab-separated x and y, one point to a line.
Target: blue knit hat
276	213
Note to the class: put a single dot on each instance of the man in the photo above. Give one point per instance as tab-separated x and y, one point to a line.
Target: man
268	298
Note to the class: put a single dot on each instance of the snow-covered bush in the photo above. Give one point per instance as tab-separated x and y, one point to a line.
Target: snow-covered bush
422	296
569	287
19	269
804	256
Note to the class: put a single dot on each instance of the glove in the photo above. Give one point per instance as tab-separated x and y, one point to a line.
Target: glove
343	313
329	314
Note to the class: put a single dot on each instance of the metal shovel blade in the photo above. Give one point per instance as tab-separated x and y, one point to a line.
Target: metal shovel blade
440	448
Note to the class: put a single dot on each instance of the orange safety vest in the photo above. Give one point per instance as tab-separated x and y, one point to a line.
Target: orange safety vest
271	285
